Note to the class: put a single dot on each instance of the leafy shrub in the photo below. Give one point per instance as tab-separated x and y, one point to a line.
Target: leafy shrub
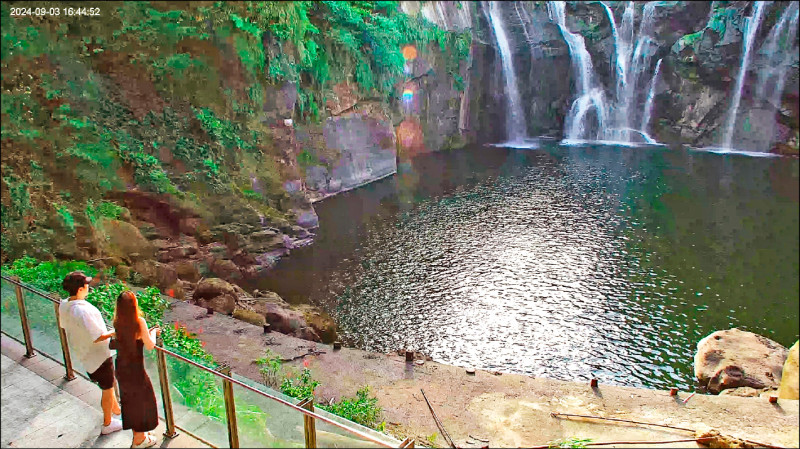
570	442
361	409
301	388
270	367
110	210
252	195
105	209
46	276
306	159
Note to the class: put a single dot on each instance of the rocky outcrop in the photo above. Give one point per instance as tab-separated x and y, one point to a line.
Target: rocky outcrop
265	307
734	358
217	294
790	381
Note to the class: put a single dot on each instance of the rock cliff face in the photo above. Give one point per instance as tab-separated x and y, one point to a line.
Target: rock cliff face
218	168
700	45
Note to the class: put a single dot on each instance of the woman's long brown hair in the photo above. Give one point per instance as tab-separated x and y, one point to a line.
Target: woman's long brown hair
126	319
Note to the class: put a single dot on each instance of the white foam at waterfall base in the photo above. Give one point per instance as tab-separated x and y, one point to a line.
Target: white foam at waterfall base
527	144
728	151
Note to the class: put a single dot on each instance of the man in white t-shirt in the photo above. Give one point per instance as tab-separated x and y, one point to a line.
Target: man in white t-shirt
83	324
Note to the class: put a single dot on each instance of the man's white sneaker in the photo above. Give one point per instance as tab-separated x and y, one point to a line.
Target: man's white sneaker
114	426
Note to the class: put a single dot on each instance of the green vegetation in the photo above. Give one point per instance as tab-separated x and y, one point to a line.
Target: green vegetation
432	438
590	31
270	367
362	408
169	98
301	387
570	442
718	21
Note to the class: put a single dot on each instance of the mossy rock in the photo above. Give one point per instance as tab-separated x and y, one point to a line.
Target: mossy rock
250	317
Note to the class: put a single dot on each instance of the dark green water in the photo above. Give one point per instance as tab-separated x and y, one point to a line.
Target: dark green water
564	262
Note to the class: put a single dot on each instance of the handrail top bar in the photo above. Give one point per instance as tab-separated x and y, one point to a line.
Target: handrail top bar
31	289
223	376
282	401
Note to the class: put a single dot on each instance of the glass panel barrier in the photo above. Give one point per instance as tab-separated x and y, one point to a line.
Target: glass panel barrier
329	435
197	400
43	324
264	422
10	323
197	395
151	368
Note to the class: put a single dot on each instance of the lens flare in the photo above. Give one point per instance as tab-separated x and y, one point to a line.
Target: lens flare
408	95
409	52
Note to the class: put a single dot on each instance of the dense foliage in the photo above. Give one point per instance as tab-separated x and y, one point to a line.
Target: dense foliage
170	98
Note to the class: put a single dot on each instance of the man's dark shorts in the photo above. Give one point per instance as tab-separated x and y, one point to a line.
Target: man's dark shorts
104	376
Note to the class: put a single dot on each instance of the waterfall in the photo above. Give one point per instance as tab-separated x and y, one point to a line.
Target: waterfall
648	104
778	50
750	32
515	119
589	96
632	58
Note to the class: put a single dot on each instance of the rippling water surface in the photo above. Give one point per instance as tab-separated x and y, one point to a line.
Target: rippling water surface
568	263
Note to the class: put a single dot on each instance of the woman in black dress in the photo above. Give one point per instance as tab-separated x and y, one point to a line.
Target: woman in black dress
139	409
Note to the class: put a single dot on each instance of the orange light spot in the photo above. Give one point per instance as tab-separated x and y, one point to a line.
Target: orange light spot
409	53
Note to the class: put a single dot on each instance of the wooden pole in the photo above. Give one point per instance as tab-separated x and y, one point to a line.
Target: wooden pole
438	423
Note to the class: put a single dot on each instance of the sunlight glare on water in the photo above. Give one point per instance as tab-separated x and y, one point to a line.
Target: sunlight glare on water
569	263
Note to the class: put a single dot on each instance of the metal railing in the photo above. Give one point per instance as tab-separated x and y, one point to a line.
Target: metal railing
306	406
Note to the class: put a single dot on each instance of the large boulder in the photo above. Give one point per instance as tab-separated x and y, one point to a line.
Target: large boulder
217	294
287	321
222	304
790	383
249	316
734	358
125	240
321	322
156	273
212	287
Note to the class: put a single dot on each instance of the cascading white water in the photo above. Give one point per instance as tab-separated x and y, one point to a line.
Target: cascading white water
778	50
750	33
648	104
632	58
515	118
589	96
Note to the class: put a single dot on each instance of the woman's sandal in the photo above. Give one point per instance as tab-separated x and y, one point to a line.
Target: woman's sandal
149	441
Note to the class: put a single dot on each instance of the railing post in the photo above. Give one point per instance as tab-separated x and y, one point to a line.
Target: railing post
230	407
166	396
23	316
407	443
309	426
62	335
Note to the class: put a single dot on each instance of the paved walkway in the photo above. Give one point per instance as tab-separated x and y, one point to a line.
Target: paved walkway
41	409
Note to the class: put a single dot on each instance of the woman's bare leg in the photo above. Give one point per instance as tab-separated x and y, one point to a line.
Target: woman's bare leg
138	437
107	401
